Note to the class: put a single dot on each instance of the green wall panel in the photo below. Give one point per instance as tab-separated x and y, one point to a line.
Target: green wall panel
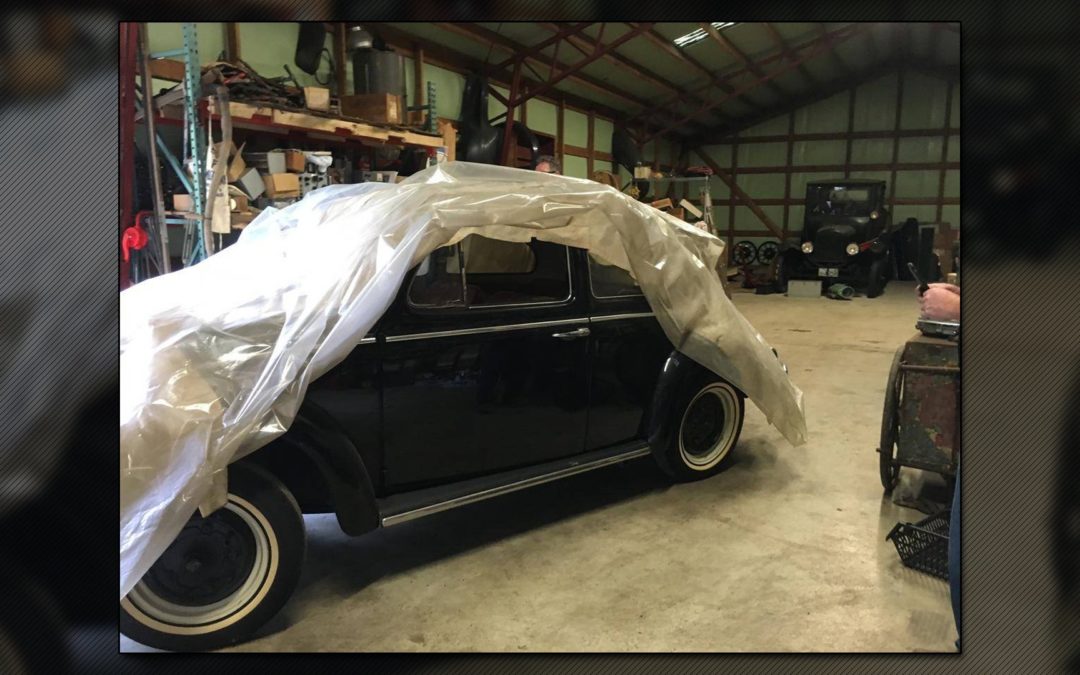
875	105
874	175
920	149
823	116
773	127
721	154
915	184
762	185
602	135
543	116
800	179
718	189
576	128
576	167
763	154
211	36
818	152
950	214
746	220
871	150
269	47
924	102
954	148
952	183
795	219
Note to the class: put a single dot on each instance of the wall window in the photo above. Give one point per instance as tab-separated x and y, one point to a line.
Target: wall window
496	273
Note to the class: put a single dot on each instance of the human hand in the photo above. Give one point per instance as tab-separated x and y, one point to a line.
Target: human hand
941	302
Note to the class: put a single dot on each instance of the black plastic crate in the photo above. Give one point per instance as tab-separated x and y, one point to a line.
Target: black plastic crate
924	545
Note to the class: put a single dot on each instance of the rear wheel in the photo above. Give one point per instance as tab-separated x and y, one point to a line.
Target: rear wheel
709	420
225	575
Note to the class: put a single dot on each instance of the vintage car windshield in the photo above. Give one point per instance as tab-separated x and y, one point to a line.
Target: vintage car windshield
837	200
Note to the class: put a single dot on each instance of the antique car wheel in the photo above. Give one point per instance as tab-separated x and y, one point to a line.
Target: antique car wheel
887	464
710	418
225	575
876	280
767	252
744	253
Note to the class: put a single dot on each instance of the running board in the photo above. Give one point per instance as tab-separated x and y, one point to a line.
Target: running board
412	505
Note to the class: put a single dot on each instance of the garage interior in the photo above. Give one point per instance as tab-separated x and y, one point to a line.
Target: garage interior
786	549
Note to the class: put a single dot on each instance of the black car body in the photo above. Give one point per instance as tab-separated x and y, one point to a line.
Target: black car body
845	238
499	366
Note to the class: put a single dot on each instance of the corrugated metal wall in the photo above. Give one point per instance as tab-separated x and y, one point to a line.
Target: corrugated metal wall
856	133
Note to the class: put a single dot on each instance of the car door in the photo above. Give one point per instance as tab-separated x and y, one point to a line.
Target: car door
484	364
628	350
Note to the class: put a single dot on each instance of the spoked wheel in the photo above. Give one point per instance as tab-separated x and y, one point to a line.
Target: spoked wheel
890	431
767	252
744	253
224	575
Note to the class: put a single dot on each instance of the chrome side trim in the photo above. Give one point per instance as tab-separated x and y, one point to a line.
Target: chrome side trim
484	329
397	519
367	340
615	317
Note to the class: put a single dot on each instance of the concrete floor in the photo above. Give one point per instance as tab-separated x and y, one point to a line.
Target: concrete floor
784	551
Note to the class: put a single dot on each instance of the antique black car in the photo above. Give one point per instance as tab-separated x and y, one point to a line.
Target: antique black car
845	238
499	366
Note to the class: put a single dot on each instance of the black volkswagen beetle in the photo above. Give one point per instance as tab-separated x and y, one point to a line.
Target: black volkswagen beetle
845	238
498	367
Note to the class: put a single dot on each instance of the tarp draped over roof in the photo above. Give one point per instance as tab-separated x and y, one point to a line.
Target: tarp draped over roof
215	359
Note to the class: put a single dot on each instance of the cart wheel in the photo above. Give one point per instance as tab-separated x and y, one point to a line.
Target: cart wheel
890	468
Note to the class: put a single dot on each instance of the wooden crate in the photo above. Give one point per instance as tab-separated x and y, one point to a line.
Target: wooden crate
385	108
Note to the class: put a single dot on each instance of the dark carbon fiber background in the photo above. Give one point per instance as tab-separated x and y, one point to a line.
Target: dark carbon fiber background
1021	357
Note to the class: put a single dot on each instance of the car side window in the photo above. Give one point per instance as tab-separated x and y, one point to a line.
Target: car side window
438	282
609	281
496	274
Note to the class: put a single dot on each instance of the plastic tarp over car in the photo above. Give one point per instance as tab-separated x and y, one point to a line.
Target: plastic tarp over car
215	359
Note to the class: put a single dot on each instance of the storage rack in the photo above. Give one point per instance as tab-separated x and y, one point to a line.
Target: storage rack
196	117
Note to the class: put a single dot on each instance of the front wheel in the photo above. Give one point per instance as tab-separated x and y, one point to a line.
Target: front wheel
709	418
878	277
225	575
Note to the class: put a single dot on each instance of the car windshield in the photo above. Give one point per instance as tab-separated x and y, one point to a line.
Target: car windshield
839	200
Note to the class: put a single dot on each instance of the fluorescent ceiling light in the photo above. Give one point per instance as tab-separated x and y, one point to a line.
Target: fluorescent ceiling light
699	34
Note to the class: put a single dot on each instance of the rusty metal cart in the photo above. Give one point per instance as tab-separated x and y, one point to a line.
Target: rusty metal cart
920	426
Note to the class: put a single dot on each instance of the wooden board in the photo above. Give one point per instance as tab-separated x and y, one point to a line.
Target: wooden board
265	115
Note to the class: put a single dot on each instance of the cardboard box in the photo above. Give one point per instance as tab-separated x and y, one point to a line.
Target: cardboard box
268	162
237	166
240	219
804	288
317	98
385	108
252	183
294	161
183	202
238	202
664	203
282	185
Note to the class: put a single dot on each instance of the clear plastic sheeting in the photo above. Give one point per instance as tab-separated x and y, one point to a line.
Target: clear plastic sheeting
215	359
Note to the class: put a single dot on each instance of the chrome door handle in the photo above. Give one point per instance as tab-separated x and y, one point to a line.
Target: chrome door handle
571	335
